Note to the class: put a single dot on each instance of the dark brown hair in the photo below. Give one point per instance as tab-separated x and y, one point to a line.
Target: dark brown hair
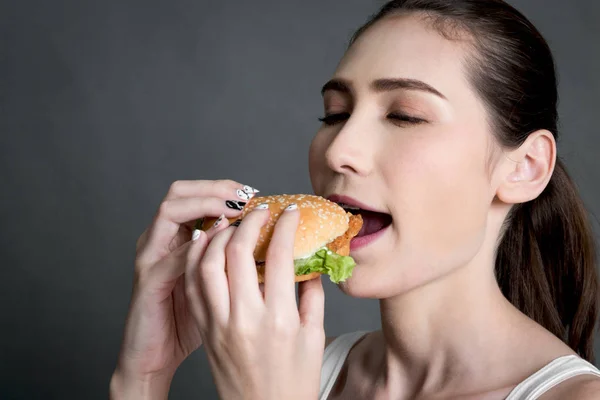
546	258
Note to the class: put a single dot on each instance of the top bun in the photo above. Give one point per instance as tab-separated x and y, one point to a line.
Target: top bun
321	221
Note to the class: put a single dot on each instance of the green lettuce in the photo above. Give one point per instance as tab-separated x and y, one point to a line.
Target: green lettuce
339	268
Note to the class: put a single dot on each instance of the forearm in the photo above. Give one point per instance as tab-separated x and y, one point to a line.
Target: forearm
129	388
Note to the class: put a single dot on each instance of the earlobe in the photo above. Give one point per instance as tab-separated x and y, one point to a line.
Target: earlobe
529	167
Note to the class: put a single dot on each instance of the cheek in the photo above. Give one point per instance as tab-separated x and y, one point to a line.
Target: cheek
443	194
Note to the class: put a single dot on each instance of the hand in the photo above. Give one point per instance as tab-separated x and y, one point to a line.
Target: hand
160	332
259	345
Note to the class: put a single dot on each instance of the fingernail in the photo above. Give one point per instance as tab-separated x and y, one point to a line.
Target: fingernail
243	195
196	234
235	205
218	221
263	206
236	222
249	189
291	207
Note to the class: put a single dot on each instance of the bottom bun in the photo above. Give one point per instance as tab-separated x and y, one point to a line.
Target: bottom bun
260	269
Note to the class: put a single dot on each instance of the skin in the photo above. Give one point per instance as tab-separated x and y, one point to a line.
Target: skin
258	342
160	329
184	296
447	331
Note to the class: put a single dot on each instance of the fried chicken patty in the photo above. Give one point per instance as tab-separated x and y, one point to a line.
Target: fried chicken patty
341	244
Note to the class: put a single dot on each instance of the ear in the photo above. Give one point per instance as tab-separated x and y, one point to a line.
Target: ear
528	169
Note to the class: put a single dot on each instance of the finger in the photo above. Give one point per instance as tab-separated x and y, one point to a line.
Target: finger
233	193
213	277
160	278
192	285
279	266
218	314
184	233
171	215
312	303
227	189
241	266
219	225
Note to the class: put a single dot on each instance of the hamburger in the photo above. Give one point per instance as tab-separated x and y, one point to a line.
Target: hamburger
322	242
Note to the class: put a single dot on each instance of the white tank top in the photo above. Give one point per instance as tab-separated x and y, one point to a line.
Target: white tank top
552	374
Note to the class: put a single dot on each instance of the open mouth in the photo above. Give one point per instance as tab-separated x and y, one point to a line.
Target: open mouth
373	222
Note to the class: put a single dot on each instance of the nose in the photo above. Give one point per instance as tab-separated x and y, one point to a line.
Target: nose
351	150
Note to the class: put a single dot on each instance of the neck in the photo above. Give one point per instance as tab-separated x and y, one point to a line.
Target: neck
439	336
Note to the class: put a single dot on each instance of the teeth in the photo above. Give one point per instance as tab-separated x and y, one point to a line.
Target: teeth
348	207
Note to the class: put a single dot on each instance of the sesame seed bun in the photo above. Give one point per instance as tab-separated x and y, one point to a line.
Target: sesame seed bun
321	222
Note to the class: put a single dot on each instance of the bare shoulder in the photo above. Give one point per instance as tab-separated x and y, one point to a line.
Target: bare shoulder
582	387
587	389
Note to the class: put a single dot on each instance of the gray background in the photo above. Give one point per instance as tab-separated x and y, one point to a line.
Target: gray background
104	103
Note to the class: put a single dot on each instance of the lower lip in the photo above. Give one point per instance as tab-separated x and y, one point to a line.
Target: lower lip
360	242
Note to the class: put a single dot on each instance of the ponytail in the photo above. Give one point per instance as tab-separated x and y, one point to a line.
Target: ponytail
546	263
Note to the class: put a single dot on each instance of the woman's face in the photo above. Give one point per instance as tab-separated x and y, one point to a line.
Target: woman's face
407	137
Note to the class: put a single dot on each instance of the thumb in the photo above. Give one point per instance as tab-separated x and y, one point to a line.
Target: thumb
160	278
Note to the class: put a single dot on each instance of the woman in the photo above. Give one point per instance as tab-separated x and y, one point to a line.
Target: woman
443	115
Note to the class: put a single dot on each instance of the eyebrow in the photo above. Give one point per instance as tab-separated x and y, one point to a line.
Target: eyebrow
383	85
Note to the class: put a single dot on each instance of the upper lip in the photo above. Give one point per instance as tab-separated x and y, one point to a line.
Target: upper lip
349	201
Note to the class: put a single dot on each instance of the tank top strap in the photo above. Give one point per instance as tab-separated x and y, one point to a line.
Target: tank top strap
553	373
334	358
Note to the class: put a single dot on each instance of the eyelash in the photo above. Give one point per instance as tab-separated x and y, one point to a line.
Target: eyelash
333	119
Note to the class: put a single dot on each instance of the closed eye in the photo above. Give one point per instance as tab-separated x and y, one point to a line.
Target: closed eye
405	119
333	119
